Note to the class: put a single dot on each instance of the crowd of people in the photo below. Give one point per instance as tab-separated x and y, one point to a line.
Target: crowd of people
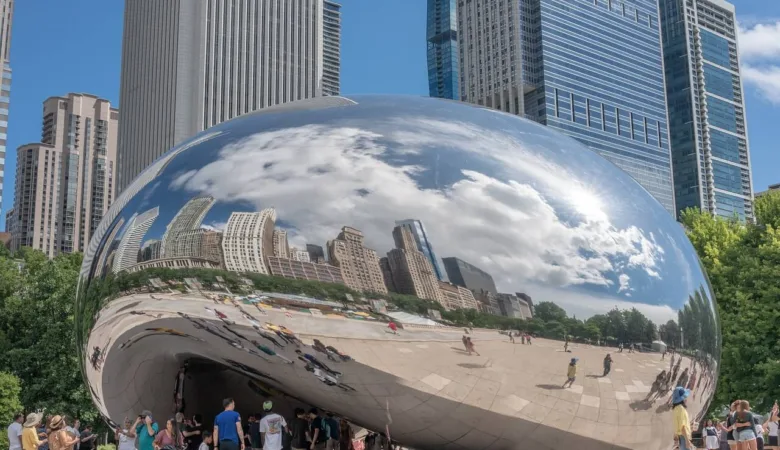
39	432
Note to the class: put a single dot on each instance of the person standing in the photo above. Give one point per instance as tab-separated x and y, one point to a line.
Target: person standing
346	435
271	427
87	438
333	432
607	365
206	441
744	424
682	422
74	431
125	436
193	433
228	434
298	429
393	327
710	436
59	437
170	437
30	440
318	431
772	427
146	429
571	373
15	433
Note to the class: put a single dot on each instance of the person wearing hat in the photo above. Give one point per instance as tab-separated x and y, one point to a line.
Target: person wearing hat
59	437
682	423
30	439
571	373
271	427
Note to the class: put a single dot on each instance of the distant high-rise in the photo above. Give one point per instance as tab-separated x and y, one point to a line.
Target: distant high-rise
412	272
708	128
248	240
189	65
126	254
592	69
187	219
423	243
281	245
6	18
442	38
316	253
469	276
359	264
65	183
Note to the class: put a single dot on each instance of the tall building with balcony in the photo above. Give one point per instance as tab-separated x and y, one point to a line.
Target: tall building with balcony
129	247
188	219
442	51
592	69
412	272
423	243
248	240
189	65
66	183
359	264
708	127
6	19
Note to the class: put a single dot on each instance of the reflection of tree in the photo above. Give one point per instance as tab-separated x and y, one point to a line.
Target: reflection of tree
628	325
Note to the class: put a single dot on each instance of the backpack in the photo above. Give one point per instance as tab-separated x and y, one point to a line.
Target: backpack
325	427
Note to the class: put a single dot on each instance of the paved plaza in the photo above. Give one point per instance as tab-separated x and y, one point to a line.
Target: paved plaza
420	385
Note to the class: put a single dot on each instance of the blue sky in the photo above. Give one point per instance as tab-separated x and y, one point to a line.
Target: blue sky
75	46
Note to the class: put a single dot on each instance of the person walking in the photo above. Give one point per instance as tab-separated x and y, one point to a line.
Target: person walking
682	422
571	373
125	436
228	434
470	346
30	440
145	429
607	365
271	427
15	433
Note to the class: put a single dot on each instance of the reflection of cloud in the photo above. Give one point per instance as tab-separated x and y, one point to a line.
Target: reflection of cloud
320	178
584	305
214	226
623	281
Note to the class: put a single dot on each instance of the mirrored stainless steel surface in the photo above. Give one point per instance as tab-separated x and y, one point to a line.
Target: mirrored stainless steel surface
265	258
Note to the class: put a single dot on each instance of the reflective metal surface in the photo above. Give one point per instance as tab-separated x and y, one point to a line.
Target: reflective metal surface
243	263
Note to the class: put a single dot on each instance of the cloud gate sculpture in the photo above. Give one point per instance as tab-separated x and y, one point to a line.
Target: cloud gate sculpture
367	256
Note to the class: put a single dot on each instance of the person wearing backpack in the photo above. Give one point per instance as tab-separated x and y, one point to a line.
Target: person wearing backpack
318	431
333	432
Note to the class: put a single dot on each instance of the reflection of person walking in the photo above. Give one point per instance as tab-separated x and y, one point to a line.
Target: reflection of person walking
571	373
393	327
470	346
511	337
607	365
566	345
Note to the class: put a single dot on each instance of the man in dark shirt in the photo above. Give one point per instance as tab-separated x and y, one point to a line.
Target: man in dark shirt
254	430
333	429
228	434
298	428
87	438
318	431
193	433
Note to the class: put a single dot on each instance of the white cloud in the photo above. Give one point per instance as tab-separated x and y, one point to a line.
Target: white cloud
317	176
214	226
623	281
759	46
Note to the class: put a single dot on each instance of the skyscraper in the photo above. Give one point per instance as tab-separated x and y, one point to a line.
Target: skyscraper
359	264
423	244
412	272
189	65
65	183
187	219
442	38
6	18
708	128
469	276
592	69
126	254
248	241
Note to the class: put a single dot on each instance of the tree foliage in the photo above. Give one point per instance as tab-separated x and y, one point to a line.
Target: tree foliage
10	405
743	264
37	339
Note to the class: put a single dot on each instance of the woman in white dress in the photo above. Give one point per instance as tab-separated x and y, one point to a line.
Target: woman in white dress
710	435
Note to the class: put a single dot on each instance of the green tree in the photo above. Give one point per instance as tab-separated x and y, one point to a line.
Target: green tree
743	264
549	312
9	402
38	321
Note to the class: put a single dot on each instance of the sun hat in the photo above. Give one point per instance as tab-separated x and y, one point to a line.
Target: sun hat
267	405
679	395
33	419
56	422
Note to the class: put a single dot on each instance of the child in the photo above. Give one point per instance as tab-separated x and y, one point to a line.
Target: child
206	441
571	373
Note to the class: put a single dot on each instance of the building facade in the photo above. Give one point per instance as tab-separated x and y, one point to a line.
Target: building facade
281	245
512	306
412	272
248	241
186	221
6	20
457	297
304	270
592	69
359	264
129	246
708	126
66	183
213	60
469	276
316	253
442	51
423	243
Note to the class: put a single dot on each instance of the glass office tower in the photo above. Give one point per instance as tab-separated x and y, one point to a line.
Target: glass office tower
594	70
442	37
423	243
707	122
